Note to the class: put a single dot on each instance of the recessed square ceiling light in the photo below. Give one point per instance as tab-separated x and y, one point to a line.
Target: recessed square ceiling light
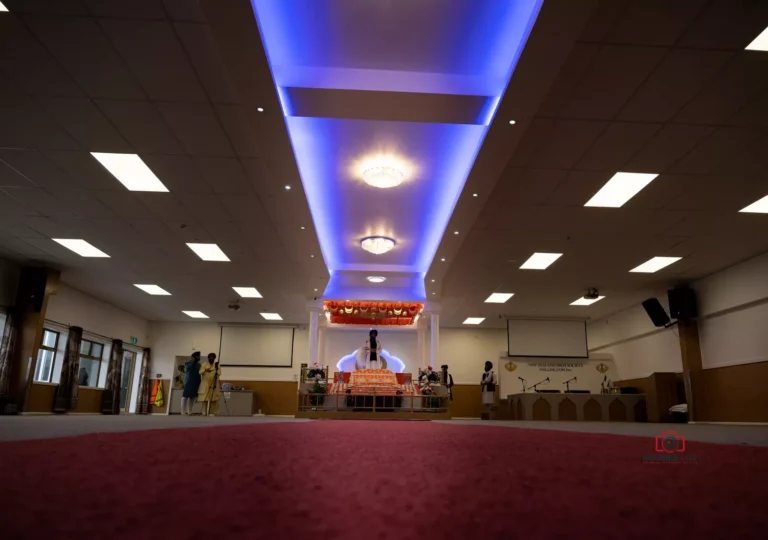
474	320
586	301
540	261
153	290
247	292
499	298
208	252
655	264
81	247
195	314
619	189
2	7
760	43
131	171
757	207
272	316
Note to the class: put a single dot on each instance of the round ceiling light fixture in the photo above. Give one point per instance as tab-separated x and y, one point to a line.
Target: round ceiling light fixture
377	279
377	244
383	172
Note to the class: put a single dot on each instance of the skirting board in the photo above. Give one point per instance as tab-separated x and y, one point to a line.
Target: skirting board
731	423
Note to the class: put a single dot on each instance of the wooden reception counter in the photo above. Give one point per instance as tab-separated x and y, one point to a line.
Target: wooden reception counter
575	407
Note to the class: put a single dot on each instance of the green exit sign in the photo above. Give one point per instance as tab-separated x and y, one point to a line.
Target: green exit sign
134	340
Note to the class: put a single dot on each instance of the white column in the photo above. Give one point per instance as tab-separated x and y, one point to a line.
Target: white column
434	340
321	349
313	336
421	334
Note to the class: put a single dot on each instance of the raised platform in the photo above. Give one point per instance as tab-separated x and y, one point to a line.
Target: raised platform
369	415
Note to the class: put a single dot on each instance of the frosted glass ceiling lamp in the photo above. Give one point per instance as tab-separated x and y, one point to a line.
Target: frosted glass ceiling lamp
383	176
377	245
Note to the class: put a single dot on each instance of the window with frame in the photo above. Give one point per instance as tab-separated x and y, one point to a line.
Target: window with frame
46	356
90	363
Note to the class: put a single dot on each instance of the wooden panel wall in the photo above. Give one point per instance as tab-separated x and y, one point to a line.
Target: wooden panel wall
733	393
273	397
726	394
467	401
41	398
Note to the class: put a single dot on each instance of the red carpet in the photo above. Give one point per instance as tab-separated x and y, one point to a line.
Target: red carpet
378	480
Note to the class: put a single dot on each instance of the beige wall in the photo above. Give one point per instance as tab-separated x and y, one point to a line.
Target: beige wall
75	308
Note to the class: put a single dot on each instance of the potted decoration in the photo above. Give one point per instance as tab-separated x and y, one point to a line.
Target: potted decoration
317	392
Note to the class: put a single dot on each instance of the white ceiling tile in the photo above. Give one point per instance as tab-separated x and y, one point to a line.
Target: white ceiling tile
723	143
41	201
236	124
568	142
184	10
581	57
13	207
84	202
35	166
225	175
82	48
668	146
179	173
125	204
679	77
22	56
197	127
725	25
142	125
86	124
47	7
667	19
743	79
201	48
10	177
120	9
25	125
615	75
84	172
154	54
205	207
616	145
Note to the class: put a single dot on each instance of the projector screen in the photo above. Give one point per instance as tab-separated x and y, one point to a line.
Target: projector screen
256	346
550	338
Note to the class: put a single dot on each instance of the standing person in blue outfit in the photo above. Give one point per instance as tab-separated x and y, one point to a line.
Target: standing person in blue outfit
191	383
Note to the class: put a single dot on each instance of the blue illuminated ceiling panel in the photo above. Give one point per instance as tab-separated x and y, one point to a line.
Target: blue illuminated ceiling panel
410	79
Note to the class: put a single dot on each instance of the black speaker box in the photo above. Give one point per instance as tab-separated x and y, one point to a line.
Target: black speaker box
682	303
656	312
31	291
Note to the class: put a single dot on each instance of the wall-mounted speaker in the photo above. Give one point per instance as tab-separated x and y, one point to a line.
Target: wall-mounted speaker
656	312
31	290
682	303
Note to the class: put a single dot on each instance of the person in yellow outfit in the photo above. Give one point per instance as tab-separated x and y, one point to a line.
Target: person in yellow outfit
209	391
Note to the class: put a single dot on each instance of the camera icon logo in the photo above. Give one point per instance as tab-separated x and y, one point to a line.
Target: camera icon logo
670	442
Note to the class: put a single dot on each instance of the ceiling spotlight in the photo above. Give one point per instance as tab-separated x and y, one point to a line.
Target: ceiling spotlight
288	188
377	244
303	228
376	279
260	109
382	172
474	194
455	232
442	260
433	281
512	122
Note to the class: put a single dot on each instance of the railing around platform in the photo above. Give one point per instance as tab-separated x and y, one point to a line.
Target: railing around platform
370	401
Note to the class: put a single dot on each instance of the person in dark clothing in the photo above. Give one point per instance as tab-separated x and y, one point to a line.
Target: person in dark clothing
82	377
447	380
191	383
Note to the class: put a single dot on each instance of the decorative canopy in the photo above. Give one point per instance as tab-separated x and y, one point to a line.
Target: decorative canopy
372	313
